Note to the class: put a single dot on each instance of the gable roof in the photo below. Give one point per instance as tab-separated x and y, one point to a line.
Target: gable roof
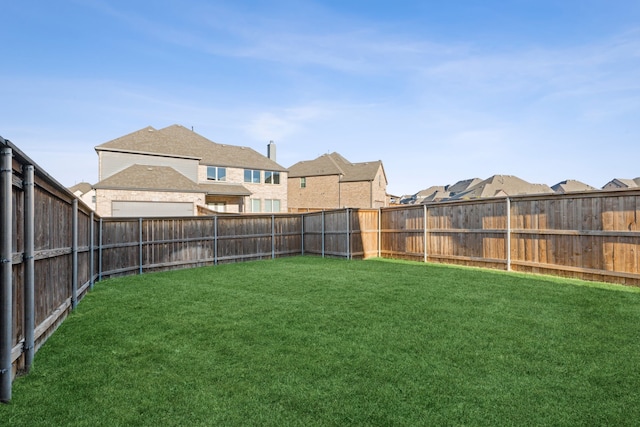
81	187
622	183
177	141
164	178
502	185
335	164
571	185
463	185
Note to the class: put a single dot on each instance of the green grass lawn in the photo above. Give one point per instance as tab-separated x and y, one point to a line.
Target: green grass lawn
308	341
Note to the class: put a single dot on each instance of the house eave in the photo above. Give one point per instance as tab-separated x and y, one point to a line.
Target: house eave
145	153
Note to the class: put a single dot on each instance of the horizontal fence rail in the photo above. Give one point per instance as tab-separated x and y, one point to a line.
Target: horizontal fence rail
54	248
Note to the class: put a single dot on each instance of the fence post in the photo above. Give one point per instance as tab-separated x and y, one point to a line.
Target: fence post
426	230
302	232
140	245
74	255
29	274
6	291
215	240
379	232
348	234
322	233
100	251
273	236
508	234
92	238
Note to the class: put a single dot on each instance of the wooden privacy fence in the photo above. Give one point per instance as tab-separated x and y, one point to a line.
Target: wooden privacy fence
591	235
53	248
46	256
137	245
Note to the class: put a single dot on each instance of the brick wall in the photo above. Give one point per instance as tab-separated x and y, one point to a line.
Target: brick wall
355	194
260	191
326	192
321	192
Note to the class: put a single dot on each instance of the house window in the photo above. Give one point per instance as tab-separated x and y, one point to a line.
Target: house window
215	173
303	182
252	176
217	206
271	177
272	205
255	205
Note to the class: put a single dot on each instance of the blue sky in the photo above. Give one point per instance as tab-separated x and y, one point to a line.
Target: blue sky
439	91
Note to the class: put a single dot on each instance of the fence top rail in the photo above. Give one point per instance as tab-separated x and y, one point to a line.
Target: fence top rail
334	210
580	194
200	218
527	197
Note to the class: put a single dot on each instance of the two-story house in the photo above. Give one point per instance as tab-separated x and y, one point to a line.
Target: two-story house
331	181
175	172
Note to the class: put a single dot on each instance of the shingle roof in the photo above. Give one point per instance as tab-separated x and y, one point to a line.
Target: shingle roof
335	164
82	187
571	185
178	141
623	183
164	178
500	185
463	185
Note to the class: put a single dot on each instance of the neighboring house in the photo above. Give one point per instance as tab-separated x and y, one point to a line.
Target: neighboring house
462	186
434	193
622	183
500	186
85	192
331	182
393	199
571	186
175	172
438	193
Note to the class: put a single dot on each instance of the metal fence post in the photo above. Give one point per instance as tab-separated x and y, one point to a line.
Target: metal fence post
100	251
74	255
273	236
140	245
6	291
426	236
29	273
323	234
92	238
215	240
379	232
508	234
302	233
348	234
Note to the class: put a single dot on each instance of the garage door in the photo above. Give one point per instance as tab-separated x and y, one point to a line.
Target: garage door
151	209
